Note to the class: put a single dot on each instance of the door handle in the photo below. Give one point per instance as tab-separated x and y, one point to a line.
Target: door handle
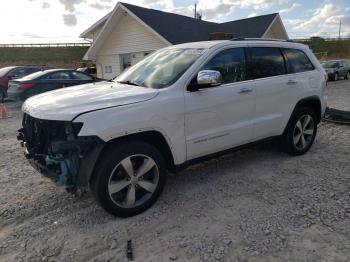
245	90
291	82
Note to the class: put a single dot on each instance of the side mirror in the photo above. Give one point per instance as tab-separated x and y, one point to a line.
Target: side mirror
206	79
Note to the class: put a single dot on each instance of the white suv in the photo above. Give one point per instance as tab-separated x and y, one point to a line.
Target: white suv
175	107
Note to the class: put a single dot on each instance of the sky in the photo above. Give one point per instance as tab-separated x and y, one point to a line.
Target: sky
44	21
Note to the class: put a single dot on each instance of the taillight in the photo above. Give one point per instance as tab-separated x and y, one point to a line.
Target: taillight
25	86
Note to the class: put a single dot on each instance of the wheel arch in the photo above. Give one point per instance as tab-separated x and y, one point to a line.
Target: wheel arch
312	102
152	137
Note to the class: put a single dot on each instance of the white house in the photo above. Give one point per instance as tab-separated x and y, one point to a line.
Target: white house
129	33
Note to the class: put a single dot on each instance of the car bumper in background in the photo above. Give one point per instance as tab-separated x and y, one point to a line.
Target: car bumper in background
15	95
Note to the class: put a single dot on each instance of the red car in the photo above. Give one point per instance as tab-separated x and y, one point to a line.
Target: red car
11	72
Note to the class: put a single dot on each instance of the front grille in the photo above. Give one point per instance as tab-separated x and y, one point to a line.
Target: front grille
38	134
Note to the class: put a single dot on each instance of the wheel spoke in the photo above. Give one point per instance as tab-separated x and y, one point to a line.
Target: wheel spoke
147	165
309	132
306	121
303	141
299	126
297	138
147	185
117	186
131	196
127	165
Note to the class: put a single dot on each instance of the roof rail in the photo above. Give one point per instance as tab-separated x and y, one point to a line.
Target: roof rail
259	39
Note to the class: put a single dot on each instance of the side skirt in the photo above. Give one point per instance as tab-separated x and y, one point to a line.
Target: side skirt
178	168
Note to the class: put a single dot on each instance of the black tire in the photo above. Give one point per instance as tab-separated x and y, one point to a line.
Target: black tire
336	77
110	166
347	76
291	133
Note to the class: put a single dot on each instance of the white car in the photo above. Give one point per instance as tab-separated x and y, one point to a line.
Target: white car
177	106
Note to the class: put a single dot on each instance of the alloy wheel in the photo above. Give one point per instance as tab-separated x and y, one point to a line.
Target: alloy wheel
133	181
303	132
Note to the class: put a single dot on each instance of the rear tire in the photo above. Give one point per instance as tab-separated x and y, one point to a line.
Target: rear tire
129	178
336	77
347	75
300	132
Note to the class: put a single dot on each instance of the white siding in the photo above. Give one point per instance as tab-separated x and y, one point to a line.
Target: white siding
128	37
107	60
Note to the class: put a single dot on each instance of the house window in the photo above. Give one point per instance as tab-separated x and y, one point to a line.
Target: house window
108	69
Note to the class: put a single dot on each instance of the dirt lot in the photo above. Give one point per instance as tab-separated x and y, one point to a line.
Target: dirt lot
257	204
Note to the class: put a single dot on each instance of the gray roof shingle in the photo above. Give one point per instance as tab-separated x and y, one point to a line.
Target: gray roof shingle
179	29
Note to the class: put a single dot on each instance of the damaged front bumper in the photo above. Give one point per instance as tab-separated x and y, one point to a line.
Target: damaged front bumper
54	149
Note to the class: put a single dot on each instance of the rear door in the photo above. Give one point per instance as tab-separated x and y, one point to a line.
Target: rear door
51	81
274	89
343	68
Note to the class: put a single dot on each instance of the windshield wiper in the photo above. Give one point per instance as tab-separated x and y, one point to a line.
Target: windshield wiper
129	83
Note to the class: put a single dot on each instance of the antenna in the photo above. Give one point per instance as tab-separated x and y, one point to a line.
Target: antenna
195	10
339	29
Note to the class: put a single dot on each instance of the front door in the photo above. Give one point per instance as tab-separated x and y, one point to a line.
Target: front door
221	117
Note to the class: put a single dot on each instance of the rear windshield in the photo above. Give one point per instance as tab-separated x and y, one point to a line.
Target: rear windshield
5	70
34	75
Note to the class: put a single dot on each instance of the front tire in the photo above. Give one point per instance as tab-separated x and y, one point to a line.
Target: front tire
301	132
129	178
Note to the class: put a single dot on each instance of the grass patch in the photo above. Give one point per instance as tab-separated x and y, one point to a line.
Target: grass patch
42	55
335	49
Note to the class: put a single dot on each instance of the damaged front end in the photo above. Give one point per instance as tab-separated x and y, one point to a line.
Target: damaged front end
54	149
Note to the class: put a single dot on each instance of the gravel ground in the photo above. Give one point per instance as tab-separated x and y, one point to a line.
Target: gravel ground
257	204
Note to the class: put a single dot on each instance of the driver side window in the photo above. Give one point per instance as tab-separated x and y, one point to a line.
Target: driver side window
230	63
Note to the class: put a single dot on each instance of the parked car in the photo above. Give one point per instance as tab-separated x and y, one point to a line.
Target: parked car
336	69
89	70
179	105
12	72
43	81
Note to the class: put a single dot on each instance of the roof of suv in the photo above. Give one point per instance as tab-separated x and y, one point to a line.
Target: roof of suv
210	44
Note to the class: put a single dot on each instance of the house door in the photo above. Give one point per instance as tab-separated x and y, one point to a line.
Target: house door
125	61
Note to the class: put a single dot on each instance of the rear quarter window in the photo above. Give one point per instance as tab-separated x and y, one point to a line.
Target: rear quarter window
265	62
297	61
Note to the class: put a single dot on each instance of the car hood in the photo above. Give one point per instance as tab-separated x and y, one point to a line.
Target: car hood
66	103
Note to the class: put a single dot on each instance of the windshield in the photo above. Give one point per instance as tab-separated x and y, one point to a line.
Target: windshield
330	64
160	69
5	70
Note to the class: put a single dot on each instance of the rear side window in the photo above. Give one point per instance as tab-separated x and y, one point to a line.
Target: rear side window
297	61
59	76
230	63
265	62
80	76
